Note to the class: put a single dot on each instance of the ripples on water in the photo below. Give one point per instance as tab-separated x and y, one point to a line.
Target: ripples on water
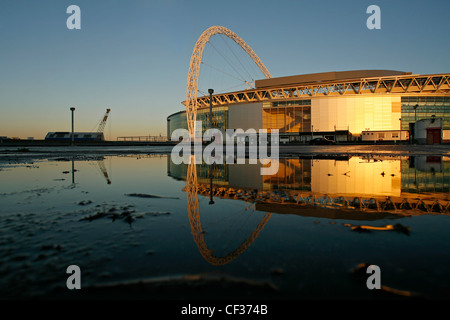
297	234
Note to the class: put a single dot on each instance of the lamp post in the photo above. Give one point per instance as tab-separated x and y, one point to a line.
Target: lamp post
415	113
72	137
211	91
415	121
211	200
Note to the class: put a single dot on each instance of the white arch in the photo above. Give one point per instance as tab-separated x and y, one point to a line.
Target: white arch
194	69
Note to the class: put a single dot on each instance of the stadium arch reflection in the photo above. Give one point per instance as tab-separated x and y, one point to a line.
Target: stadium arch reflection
196	226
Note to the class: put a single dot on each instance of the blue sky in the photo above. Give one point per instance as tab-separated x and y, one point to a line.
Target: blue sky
133	55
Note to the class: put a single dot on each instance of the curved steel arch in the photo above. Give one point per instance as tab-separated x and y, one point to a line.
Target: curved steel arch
194	68
196	226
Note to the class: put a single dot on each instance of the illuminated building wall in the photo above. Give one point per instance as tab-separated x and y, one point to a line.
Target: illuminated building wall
356	113
287	116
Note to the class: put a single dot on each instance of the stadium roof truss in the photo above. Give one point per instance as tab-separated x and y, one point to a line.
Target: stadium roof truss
407	84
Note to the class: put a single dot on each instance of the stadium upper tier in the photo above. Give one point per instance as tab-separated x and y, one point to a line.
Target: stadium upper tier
326	76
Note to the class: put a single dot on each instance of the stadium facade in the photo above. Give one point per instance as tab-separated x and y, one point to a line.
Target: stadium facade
342	106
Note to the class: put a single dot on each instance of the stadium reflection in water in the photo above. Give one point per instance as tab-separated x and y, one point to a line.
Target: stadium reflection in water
224	230
382	183
354	188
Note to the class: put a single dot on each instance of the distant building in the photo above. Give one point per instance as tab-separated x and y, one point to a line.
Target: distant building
386	135
78	136
428	131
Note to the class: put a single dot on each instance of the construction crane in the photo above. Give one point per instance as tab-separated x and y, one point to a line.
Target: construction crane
102	124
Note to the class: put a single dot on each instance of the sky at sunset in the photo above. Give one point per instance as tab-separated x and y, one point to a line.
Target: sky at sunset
133	55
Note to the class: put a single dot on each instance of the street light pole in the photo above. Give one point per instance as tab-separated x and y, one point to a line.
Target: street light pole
211	200
415	113
72	109
415	122
211	91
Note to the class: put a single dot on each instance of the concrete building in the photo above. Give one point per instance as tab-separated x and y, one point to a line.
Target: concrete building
428	131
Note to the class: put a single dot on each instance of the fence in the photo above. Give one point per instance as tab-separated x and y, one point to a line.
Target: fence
144	138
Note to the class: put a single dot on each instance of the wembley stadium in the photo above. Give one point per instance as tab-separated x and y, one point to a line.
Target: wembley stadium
358	105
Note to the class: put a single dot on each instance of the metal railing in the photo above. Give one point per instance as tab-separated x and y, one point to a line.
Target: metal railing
144	138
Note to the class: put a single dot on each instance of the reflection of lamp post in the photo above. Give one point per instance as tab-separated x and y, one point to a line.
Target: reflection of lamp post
211	201
72	109
73	172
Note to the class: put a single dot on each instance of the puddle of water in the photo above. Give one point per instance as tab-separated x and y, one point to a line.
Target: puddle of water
296	234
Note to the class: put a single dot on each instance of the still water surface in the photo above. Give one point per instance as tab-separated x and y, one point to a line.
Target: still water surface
298	234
